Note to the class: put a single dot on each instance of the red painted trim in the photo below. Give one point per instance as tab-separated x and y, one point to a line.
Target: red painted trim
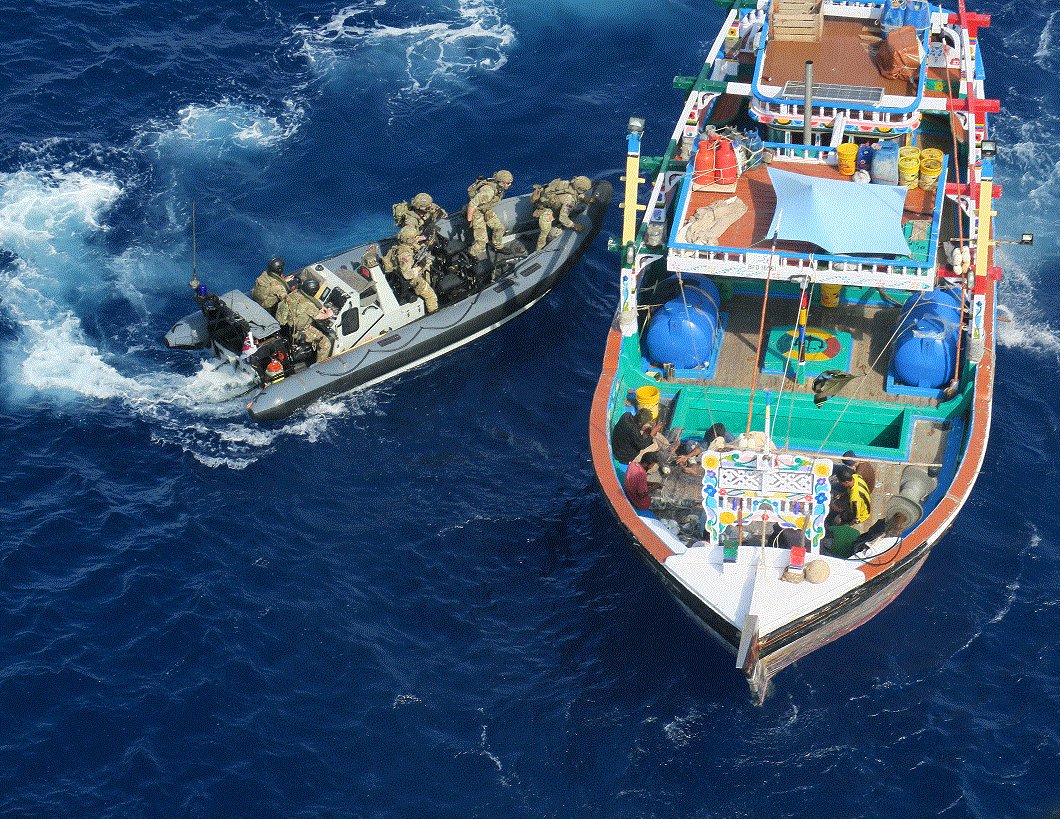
600	447
971	191
976	106
940	518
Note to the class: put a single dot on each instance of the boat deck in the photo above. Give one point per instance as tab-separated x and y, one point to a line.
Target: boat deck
843	56
755	190
870	328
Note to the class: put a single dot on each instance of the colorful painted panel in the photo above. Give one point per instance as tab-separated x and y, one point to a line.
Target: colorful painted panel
744	486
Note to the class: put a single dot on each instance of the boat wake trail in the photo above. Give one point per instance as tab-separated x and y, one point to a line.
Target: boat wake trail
430	54
57	292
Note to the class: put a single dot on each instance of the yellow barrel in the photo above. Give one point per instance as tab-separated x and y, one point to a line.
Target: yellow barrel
648	398
848	155
908	170
830	295
929	173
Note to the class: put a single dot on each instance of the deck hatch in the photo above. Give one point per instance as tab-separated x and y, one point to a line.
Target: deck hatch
827	92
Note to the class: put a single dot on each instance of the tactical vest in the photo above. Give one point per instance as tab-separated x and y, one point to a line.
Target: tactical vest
548	196
476	186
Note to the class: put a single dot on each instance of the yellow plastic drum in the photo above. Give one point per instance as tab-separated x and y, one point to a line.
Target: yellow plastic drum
848	154
908	169
648	398
929	174
830	295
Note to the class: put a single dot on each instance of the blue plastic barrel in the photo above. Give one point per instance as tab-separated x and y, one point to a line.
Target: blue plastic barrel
893	16
885	164
917	15
926	346
682	332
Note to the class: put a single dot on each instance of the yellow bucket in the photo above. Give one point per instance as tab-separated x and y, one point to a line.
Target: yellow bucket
931	153
648	398
909	150
929	173
908	170
848	154
830	295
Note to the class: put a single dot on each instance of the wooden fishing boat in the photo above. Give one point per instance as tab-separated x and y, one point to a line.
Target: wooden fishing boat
802	300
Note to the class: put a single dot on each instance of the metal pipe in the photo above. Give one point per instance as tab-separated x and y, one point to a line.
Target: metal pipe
807	125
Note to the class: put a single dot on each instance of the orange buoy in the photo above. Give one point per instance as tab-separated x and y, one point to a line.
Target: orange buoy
725	163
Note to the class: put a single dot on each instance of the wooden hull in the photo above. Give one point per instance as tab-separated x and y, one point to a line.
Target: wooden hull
885	577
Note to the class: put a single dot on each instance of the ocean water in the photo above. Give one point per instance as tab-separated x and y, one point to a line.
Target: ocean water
412	601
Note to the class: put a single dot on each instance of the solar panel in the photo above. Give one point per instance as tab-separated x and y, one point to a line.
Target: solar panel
826	92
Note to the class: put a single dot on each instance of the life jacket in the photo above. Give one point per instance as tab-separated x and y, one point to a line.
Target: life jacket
860	499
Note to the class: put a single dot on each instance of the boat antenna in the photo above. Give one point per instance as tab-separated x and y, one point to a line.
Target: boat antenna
194	283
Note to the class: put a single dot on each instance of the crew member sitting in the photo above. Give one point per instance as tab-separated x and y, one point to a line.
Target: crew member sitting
413	261
272	286
631	438
298	312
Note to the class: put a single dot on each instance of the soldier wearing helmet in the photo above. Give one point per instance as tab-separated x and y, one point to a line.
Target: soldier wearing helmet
483	197
300	310
421	213
272	286
554	202
410	258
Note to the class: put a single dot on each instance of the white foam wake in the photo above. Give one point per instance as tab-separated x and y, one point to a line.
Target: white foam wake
477	39
228	123
48	220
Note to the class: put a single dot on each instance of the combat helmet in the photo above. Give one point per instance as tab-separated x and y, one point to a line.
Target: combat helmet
309	286
581	183
422	201
275	265
504	177
408	234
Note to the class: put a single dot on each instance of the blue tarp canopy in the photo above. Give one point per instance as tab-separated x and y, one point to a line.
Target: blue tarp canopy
843	218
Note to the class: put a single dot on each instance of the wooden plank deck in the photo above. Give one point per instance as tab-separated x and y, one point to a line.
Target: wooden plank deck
843	56
755	190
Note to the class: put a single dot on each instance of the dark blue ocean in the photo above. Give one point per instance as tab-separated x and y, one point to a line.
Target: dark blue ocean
413	601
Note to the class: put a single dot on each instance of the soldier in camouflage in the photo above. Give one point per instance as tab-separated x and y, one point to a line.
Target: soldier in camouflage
298	312
272	286
421	214
483	197
554	203
410	258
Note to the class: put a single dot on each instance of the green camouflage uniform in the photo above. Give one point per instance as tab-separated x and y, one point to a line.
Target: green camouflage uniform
421	219
269	290
402	258
298	311
557	199
483	198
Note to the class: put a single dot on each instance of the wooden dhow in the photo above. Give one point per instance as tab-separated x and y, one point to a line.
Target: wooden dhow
799	298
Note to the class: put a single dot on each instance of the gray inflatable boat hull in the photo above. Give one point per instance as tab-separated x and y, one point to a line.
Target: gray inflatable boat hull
447	329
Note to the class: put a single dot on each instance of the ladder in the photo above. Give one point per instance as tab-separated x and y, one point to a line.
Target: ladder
796	20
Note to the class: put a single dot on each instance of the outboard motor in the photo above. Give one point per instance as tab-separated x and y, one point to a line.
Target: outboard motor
225	327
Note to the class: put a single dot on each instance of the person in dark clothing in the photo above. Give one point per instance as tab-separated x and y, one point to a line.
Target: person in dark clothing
631	437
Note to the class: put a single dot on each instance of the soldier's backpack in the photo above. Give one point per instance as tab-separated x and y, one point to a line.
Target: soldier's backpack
401	210
553	190
473	188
